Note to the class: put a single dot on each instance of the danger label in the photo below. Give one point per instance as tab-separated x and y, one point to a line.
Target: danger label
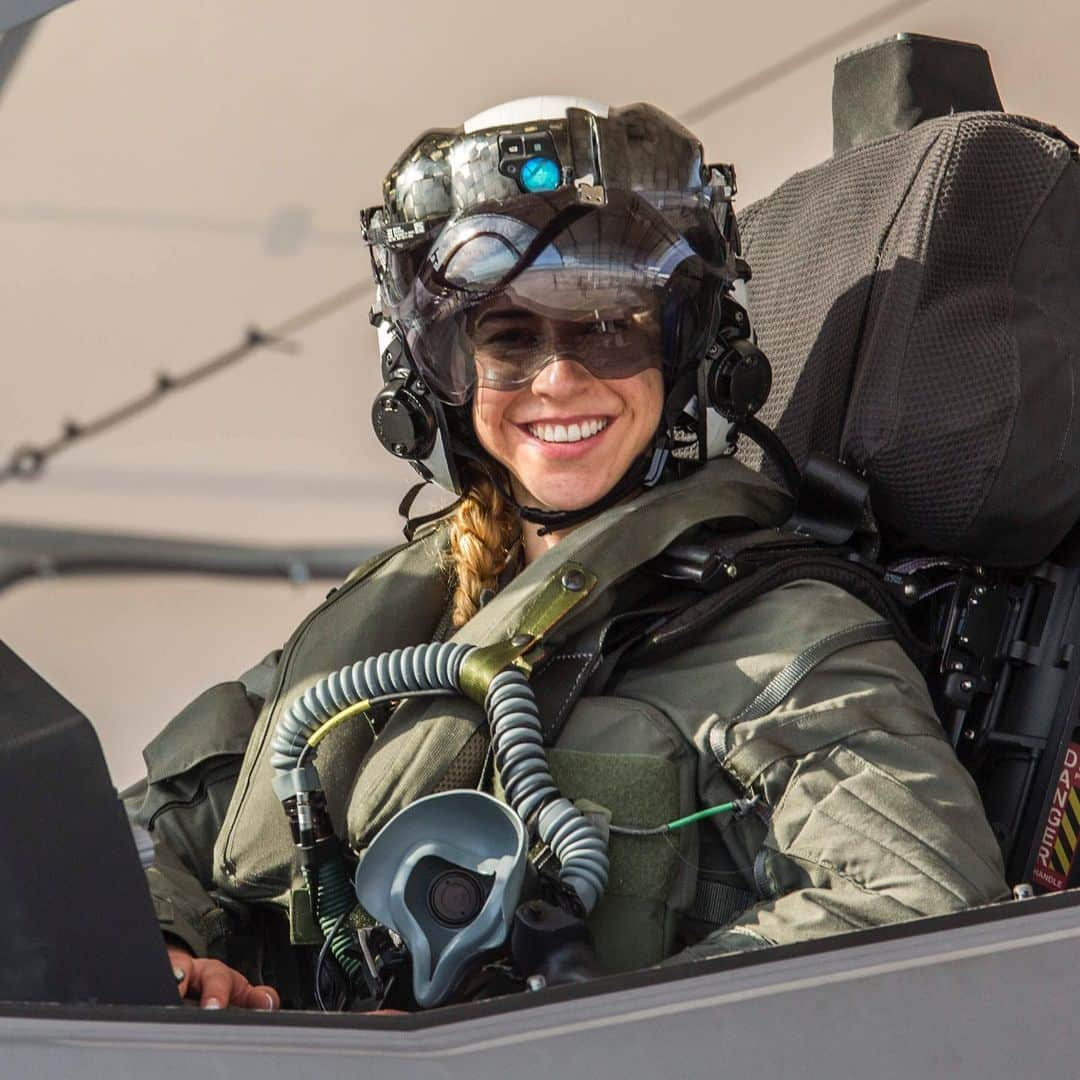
1061	833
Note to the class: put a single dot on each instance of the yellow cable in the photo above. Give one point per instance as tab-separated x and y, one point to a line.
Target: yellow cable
327	726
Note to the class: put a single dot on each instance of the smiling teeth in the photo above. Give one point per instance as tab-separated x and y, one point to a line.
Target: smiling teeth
567	433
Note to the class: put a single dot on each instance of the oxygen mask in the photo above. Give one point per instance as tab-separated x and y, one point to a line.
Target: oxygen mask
446	875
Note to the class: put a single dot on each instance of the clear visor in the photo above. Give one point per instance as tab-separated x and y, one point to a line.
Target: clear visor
502	293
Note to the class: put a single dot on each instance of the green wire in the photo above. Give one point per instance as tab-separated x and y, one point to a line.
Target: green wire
671	826
739	806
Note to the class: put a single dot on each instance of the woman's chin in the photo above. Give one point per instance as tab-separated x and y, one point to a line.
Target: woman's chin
561	500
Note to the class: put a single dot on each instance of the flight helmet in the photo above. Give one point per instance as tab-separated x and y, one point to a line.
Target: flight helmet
606	222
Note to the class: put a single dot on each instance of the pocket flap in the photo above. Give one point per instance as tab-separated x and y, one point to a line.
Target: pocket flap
218	722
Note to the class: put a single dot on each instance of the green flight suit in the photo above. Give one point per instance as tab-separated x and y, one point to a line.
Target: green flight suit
866	816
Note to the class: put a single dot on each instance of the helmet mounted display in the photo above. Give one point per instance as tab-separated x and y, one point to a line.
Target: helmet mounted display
547	229
507	287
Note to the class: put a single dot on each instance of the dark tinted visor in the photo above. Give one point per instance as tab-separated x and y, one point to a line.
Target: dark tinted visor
509	287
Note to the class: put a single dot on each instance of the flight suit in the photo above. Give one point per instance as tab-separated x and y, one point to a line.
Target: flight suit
864	814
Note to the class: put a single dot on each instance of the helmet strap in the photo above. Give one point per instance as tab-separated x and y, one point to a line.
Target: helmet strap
414	523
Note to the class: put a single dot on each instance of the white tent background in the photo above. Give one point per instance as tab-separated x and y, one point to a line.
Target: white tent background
173	173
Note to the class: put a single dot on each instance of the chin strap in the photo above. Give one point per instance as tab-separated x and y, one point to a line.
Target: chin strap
645	472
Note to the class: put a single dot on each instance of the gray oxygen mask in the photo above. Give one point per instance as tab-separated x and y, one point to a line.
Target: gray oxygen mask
446	874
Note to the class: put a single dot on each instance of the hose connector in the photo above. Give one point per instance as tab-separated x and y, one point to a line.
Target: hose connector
561	593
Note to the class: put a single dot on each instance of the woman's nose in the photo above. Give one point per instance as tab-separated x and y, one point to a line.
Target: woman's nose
560	375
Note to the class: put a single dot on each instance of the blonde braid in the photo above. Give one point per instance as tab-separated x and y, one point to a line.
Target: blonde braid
483	529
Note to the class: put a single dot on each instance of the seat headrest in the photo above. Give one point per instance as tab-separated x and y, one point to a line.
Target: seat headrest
894	84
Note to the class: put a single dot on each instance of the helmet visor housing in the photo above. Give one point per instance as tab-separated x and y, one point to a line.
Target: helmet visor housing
508	287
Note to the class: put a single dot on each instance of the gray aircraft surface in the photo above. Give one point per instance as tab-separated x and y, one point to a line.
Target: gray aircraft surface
985	992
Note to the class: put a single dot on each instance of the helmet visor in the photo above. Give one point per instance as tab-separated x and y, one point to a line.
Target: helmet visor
505	290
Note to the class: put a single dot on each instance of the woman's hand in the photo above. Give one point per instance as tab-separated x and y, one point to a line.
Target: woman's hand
216	985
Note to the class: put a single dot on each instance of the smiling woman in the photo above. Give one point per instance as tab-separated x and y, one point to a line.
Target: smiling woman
561	360
568	437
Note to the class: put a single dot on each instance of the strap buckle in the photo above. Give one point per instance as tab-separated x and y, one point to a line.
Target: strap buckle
559	595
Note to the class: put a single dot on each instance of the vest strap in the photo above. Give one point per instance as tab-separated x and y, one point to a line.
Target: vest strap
785	680
719	904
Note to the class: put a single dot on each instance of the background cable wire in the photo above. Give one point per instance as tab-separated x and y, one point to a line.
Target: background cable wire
28	461
782	68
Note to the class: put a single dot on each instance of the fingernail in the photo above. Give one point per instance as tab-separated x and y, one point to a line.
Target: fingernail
178	974
269	1003
211	1003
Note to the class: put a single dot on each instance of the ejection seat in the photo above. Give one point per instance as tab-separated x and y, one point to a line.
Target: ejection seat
917	295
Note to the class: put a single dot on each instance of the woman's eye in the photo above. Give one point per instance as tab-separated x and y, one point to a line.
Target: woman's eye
512	339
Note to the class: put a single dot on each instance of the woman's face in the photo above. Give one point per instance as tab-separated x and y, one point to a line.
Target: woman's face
567	437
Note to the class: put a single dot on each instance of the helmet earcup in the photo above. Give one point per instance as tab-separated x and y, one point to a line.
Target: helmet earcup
408	419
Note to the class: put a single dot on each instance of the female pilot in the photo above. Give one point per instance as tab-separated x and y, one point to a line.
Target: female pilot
556	279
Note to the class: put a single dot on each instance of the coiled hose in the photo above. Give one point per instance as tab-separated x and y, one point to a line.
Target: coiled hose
517	742
418	667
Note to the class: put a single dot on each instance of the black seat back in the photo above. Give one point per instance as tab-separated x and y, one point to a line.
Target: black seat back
919	298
